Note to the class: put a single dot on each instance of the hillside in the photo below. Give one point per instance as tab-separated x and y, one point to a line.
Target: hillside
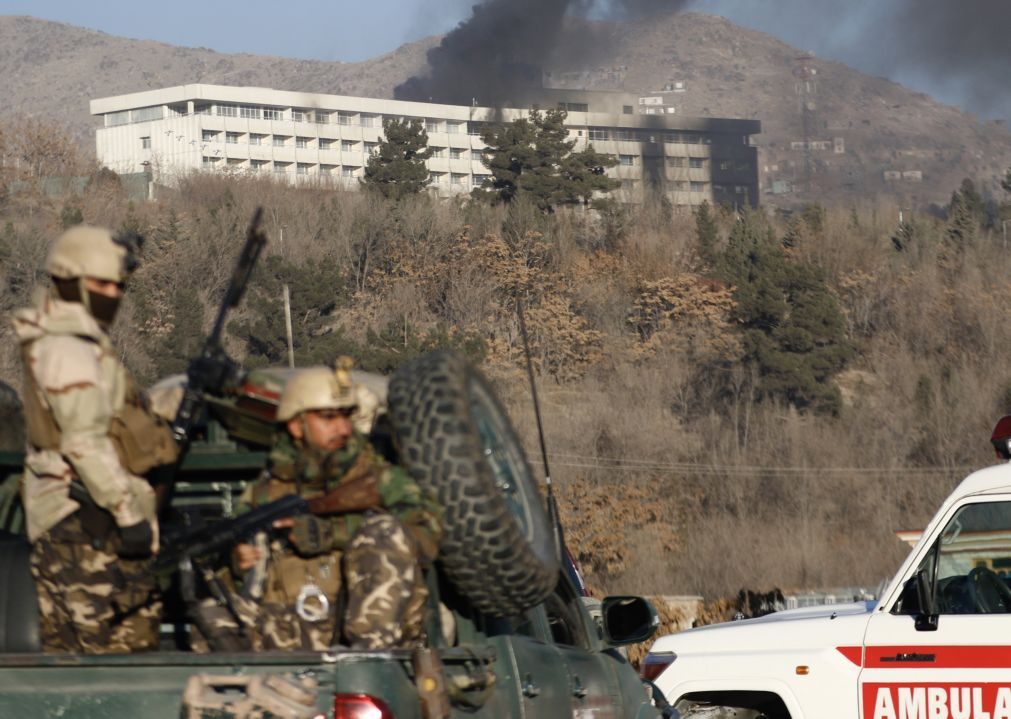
726	70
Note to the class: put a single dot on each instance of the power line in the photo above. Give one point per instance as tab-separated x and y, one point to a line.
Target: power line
623	464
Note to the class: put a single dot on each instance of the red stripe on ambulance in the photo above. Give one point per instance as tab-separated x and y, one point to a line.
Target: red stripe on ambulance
940	657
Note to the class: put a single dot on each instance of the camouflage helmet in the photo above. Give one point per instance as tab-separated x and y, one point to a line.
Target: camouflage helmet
317	388
87	251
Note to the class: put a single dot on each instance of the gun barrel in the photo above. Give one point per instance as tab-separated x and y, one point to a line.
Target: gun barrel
226	533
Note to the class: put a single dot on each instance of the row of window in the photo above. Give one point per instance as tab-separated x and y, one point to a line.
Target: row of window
322	143
344	171
281	168
648	135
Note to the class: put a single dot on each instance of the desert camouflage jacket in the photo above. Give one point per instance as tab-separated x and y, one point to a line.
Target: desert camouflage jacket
78	386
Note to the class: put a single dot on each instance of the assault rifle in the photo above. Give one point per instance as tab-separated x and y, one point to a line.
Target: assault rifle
355	496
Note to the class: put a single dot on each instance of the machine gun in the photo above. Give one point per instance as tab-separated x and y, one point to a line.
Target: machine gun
213	371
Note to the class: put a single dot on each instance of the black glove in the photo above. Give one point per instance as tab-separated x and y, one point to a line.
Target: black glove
135	541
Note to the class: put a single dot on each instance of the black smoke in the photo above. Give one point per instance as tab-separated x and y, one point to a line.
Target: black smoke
956	50
505	44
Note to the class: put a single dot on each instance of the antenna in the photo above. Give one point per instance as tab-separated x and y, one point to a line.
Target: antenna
553	517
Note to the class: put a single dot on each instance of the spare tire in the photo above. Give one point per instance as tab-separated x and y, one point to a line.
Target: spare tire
455	439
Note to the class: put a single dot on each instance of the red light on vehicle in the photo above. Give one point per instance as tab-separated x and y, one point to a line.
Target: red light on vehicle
359	706
654	664
1001	437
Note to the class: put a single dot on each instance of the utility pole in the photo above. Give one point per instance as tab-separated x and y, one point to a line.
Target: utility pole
287	311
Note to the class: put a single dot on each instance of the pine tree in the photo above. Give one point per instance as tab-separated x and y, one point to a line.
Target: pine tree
706	234
794	332
532	157
397	168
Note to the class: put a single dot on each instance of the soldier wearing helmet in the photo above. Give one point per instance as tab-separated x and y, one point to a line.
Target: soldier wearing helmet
353	577
90	515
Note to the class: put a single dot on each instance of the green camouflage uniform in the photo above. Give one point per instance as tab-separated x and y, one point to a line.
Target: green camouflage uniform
90	600
375	556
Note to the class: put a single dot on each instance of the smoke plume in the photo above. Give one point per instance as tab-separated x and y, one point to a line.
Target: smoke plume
955	50
503	47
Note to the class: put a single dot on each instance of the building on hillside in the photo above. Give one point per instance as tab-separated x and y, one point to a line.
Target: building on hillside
327	139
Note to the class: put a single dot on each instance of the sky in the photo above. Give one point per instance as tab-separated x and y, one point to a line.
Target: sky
909	41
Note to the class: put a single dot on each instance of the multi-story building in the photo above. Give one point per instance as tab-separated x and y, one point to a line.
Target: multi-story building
319	138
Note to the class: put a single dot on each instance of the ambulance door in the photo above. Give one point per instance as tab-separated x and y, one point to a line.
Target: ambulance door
950	657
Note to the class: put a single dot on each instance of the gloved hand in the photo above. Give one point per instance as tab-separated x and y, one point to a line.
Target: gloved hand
135	541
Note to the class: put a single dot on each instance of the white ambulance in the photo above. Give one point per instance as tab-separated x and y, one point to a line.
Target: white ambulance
936	645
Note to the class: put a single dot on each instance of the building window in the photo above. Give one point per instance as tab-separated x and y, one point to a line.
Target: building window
281	168
626	160
431	125
210	163
698	186
435	178
227	111
370	121
454	128
114	119
202	109
348	145
370	147
209	136
437	151
326	143
595	134
677	161
255	139
272	113
279	140
458	178
249	112
456	153
256	165
145	143
302	168
327	169
322	118
479	180
681	185
626	109
146	114
302	142
348	171
696	163
232	138
474	129
297	116
574	106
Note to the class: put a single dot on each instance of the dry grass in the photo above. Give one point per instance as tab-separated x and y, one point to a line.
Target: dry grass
672	478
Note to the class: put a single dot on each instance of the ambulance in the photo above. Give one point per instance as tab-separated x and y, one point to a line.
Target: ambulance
935	645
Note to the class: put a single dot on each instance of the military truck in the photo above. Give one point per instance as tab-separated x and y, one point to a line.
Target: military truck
508	634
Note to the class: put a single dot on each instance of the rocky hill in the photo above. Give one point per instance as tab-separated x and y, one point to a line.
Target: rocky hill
866	135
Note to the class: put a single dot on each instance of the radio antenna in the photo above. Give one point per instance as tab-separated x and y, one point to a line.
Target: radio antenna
553	517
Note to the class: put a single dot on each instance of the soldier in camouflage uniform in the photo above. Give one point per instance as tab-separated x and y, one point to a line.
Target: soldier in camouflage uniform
87	425
373	558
